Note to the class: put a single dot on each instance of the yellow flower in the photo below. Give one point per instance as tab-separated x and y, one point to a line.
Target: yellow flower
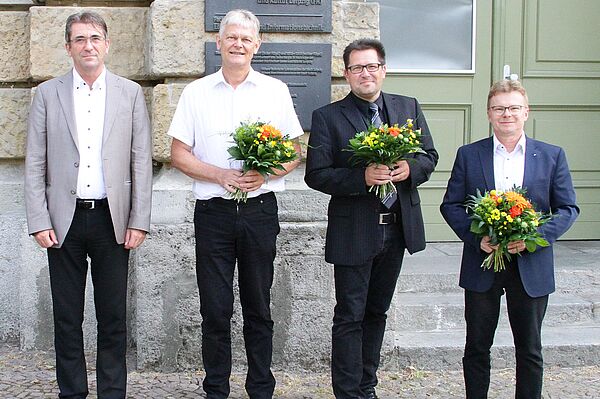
273	143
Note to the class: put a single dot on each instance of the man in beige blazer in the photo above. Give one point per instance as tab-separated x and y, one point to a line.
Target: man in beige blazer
88	190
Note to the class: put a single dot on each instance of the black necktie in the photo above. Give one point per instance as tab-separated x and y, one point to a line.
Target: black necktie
375	118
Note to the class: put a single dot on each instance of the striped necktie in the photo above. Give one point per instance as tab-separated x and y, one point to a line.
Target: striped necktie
375	118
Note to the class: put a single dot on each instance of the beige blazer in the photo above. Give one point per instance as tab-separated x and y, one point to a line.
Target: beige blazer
52	160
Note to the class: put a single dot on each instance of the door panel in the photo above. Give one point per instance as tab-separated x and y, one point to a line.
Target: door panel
455	108
552	45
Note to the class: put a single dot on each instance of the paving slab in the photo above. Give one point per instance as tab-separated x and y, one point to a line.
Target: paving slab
31	375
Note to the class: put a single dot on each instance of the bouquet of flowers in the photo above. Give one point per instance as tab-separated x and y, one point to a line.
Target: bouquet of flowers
504	217
385	145
261	147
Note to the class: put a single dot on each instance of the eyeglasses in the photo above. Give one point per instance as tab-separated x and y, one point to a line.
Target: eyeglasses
512	109
82	40
356	69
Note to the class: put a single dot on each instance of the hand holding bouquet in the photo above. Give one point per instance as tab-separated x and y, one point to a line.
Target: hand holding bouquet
385	145
261	147
505	217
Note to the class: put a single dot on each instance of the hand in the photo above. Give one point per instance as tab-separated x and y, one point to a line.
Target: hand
46	238
251	181
377	175
514	247
229	179
134	238
400	172
486	246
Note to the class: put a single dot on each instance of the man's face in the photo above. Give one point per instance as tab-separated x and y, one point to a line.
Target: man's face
366	85
237	45
508	123
87	47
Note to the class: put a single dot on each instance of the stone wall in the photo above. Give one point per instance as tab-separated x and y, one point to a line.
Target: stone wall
161	45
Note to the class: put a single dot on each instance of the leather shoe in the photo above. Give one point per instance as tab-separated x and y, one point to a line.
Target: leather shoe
370	394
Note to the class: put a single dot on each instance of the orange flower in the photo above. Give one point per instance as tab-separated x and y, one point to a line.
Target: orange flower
515	211
268	131
394	131
518	200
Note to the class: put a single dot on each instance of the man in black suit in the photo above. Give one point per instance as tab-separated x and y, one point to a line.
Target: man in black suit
365	238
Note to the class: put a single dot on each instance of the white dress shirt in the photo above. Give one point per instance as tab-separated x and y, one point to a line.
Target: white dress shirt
210	110
509	166
89	106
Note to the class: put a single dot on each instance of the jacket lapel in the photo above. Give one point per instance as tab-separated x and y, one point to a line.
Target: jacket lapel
64	90
113	98
392	109
353	114
531	171
486	157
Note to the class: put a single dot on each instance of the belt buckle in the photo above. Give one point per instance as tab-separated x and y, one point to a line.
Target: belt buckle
92	203
382	216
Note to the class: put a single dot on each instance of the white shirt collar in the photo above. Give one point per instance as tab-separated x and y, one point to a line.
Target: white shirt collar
520	144
252	77
99	83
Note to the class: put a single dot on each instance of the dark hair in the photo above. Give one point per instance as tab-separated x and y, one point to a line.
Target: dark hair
364	44
507	86
85	17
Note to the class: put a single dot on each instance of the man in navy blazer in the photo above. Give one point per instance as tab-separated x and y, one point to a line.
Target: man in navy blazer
365	239
499	162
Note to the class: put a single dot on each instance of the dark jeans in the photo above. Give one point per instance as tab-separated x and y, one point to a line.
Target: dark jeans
247	232
91	234
363	296
525	315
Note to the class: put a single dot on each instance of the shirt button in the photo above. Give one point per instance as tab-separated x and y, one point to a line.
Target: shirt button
76	164
73	192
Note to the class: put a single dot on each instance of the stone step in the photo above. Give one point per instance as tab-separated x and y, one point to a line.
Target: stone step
436	268
435	312
564	346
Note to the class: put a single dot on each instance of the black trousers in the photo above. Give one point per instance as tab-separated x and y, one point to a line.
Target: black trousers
525	314
363	296
91	234
247	232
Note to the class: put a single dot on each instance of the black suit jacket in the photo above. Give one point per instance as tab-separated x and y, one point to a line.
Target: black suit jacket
352	233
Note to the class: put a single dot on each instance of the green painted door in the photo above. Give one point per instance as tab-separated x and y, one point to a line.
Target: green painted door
554	47
455	108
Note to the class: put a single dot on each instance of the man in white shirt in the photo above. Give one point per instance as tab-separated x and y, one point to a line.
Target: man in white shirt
88	192
509	158
209	111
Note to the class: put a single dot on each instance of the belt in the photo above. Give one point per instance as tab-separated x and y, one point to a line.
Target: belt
388	218
91	203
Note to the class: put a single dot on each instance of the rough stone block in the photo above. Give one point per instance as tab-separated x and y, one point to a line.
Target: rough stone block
14	107
164	102
14	46
167	307
127	29
177	38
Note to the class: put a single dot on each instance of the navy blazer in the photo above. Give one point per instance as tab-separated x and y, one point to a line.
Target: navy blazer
352	234
550	189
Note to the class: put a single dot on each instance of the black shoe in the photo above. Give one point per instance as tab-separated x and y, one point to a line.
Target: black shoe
370	394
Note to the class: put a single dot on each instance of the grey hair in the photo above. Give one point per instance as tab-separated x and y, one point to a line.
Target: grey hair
242	18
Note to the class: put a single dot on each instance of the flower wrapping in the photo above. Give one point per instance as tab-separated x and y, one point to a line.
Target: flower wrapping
385	145
260	147
505	216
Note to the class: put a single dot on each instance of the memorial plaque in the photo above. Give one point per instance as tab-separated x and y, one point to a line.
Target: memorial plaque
274	15
304	67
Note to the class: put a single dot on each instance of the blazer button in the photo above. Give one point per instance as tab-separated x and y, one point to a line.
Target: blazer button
73	192
76	164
